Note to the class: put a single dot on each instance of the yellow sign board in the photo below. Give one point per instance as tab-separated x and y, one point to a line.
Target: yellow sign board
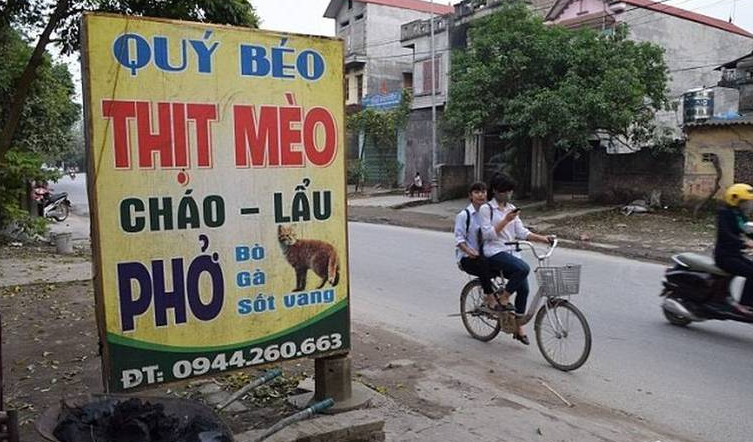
217	186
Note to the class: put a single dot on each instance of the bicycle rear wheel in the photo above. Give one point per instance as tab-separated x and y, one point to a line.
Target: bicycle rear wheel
482	326
563	335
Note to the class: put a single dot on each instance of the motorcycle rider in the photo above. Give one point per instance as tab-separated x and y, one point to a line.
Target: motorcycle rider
732	239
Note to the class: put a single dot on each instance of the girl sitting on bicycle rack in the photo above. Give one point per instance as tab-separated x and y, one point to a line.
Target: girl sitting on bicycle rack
500	225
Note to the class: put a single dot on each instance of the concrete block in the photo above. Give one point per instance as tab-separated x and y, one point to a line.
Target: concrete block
209	388
353	426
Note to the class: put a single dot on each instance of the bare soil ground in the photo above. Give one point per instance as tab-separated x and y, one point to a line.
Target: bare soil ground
50	353
653	236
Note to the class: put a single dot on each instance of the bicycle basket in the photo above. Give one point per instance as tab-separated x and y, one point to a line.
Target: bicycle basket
559	281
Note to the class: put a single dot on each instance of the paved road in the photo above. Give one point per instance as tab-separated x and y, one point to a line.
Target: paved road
78	221
695	380
76	189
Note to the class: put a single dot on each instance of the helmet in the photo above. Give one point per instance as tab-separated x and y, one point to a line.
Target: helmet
737	193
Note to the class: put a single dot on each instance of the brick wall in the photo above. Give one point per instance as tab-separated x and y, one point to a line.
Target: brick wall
621	178
454	180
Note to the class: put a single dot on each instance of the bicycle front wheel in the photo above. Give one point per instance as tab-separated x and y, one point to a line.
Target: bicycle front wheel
482	326
563	335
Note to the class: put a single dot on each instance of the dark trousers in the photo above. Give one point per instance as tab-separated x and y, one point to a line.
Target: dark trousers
479	267
740	266
516	271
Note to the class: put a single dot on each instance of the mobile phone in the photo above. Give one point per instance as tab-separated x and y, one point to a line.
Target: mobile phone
516	210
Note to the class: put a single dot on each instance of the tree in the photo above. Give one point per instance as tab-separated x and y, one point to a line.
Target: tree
58	22
380	127
565	87
46	119
44	129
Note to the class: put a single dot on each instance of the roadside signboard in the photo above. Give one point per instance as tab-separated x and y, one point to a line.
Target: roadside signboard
382	101
217	187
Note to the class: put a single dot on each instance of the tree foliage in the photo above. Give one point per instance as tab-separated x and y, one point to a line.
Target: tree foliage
19	169
59	22
50	112
381	128
37	112
531	80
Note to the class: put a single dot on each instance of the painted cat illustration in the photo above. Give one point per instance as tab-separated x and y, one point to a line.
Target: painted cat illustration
305	254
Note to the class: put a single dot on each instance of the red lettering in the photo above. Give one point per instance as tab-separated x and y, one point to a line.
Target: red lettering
290	137
316	155
203	114
256	138
180	137
120	112
149	142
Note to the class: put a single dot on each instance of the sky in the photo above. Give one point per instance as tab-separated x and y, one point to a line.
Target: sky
306	17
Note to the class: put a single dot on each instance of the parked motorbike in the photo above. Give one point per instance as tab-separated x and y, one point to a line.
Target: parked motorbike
696	290
53	205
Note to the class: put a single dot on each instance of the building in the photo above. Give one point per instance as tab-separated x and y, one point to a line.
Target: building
693	44
721	148
466	161
717	149
738	74
375	62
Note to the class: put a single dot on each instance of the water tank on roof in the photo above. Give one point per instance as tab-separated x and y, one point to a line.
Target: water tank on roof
698	105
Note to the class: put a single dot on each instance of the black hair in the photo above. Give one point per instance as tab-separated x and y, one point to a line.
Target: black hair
478	185
500	183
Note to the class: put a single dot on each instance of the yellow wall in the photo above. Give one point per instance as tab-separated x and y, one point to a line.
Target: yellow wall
723	141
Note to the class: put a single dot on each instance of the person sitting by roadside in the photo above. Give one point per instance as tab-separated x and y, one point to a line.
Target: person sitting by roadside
500	224
417	184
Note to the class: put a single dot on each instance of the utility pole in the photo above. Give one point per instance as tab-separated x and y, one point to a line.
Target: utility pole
434	153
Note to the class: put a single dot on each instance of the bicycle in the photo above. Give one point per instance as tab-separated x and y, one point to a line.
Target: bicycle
555	332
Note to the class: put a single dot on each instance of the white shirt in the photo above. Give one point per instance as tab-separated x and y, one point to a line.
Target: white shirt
495	242
417	181
470	238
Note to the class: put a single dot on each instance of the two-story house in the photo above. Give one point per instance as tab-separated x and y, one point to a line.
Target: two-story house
375	61
450	33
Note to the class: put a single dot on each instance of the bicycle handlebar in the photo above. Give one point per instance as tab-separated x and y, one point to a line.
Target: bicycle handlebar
517	245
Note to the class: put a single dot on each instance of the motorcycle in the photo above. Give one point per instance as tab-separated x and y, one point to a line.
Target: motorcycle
53	205
696	290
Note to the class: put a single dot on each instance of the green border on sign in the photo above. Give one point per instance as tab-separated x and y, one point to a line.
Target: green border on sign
128	342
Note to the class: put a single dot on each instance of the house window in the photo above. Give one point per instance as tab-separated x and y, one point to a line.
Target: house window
427	76
359	86
359	17
350	4
347	89
708	157
407	80
344	24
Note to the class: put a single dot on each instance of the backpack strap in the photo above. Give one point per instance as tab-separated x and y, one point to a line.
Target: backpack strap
467	220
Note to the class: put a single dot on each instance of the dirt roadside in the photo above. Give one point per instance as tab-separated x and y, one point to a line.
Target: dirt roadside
50	352
650	236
